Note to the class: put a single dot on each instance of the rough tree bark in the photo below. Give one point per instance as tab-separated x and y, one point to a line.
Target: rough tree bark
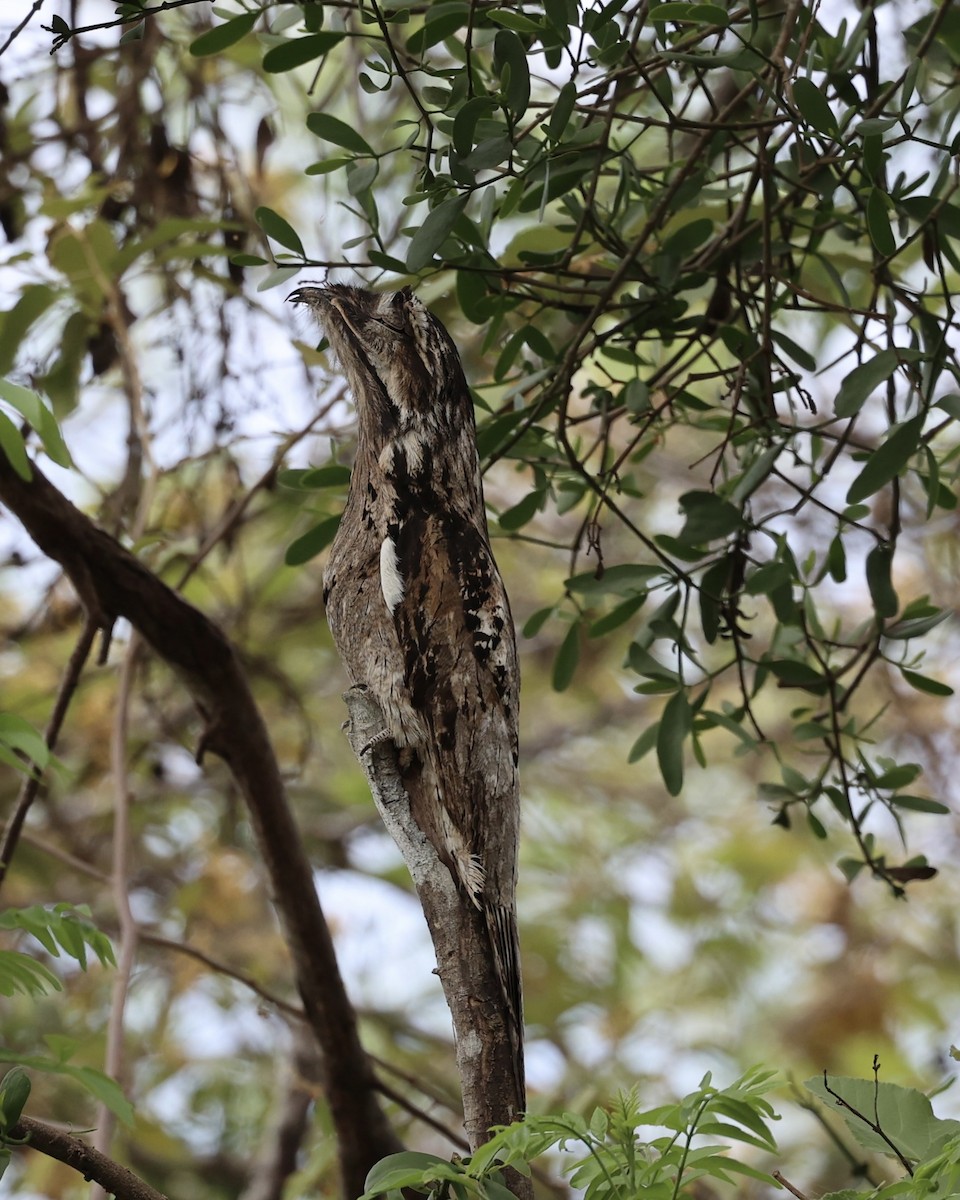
484	1045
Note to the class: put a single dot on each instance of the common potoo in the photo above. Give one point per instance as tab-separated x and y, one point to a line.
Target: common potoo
415	602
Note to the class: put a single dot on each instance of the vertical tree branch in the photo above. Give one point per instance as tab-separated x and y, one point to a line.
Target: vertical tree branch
484	1047
129	933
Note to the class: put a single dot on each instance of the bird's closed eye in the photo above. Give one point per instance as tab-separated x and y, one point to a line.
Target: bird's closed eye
389	324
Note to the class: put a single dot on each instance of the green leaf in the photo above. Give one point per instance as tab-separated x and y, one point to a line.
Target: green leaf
904	1114
689	236
334	475
514	20
276	277
567	658
792	350
465	122
331	129
20	973
712	587
274	226
222	36
919	803
887	461
623	579
327	166
563	108
933	687
767	578
434	231
708	518
642	661
837	560
409	1166
15	322
297	51
675	725
14	1093
309	544
644	743
29	404
618	616
878	223
862	380
913	627
443	21
12	445
510	63
536	621
104	1089
879	566
814	106
795	674
522	512
25	401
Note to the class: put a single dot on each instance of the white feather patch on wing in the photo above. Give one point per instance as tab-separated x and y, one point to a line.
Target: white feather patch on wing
391	581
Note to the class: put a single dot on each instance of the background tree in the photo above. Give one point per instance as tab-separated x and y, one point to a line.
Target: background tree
700	262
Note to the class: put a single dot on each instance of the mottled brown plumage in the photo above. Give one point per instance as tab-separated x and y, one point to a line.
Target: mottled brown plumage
415	602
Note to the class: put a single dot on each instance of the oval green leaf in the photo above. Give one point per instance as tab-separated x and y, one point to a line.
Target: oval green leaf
862	380
297	51
332	129
465	122
522	512
887	461
814	106
275	227
510	62
708	517
309	545
878	223
11	444
433	232
567	658
222	36
879	566
675	726
562	110
923	683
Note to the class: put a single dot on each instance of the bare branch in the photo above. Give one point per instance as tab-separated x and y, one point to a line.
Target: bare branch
61	36
89	1163
15	32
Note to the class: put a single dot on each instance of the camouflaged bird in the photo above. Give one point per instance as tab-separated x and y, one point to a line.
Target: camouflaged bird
415	602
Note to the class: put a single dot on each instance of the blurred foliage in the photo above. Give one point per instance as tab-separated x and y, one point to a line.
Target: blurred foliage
700	262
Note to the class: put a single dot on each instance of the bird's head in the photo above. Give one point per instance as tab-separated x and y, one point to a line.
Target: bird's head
391	348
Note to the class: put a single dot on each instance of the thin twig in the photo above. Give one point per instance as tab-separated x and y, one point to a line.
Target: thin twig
874	1125
788	1185
31	784
15	33
126	960
60	37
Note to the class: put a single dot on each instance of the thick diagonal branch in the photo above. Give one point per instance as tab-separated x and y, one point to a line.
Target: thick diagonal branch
112	583
91	1164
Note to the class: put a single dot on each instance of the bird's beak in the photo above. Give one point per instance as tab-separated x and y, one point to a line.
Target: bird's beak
306	295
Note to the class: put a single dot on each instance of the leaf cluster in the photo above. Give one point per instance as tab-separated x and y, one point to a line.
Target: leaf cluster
609	1156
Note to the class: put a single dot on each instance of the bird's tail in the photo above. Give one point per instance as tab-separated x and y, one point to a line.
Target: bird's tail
505	943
